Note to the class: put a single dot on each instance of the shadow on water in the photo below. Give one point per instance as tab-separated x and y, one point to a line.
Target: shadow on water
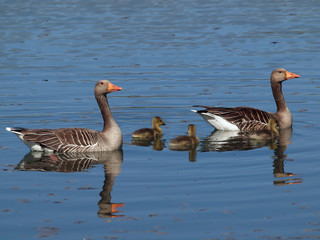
76	162
222	141
225	141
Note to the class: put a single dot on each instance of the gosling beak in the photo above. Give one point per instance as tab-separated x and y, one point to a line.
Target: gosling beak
290	75
113	88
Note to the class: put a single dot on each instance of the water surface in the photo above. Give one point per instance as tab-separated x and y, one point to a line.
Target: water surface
167	56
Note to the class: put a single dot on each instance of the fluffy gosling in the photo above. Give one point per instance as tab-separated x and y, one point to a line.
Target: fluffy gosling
185	142
272	131
150	133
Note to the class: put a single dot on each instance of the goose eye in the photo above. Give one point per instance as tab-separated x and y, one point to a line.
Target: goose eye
101	83
280	71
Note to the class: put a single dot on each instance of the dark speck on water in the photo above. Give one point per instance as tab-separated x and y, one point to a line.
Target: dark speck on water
167	56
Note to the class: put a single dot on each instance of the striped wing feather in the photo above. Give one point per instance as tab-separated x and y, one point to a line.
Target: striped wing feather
63	140
246	118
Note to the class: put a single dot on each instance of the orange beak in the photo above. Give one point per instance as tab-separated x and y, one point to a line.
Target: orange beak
295	182
291	174
290	75
113	88
114	207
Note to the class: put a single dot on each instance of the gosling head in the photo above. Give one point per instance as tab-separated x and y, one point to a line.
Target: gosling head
273	127
157	121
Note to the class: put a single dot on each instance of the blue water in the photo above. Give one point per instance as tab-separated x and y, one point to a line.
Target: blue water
167	56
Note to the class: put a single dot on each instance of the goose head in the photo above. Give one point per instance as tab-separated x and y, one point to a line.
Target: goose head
104	87
280	75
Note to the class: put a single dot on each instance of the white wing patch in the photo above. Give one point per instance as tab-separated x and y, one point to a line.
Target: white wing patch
218	122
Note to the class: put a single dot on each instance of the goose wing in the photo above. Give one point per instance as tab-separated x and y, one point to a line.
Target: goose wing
243	118
59	140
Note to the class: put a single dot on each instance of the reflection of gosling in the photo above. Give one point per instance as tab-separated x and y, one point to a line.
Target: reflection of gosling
148	133
185	142
271	132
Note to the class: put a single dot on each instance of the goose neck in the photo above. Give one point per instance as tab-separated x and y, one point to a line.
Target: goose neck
157	127
102	101
278	97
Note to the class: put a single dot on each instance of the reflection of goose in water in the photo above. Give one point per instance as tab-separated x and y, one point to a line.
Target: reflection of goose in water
192	152
157	144
112	168
74	162
46	162
221	141
233	140
279	158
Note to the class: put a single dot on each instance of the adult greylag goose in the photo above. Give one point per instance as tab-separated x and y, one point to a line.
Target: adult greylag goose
78	139
252	119
182	142
150	133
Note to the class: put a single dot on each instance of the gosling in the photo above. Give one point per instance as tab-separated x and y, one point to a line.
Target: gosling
270	133
150	133
185	142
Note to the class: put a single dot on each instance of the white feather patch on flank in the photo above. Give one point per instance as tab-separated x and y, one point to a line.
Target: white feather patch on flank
33	146
219	123
36	147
